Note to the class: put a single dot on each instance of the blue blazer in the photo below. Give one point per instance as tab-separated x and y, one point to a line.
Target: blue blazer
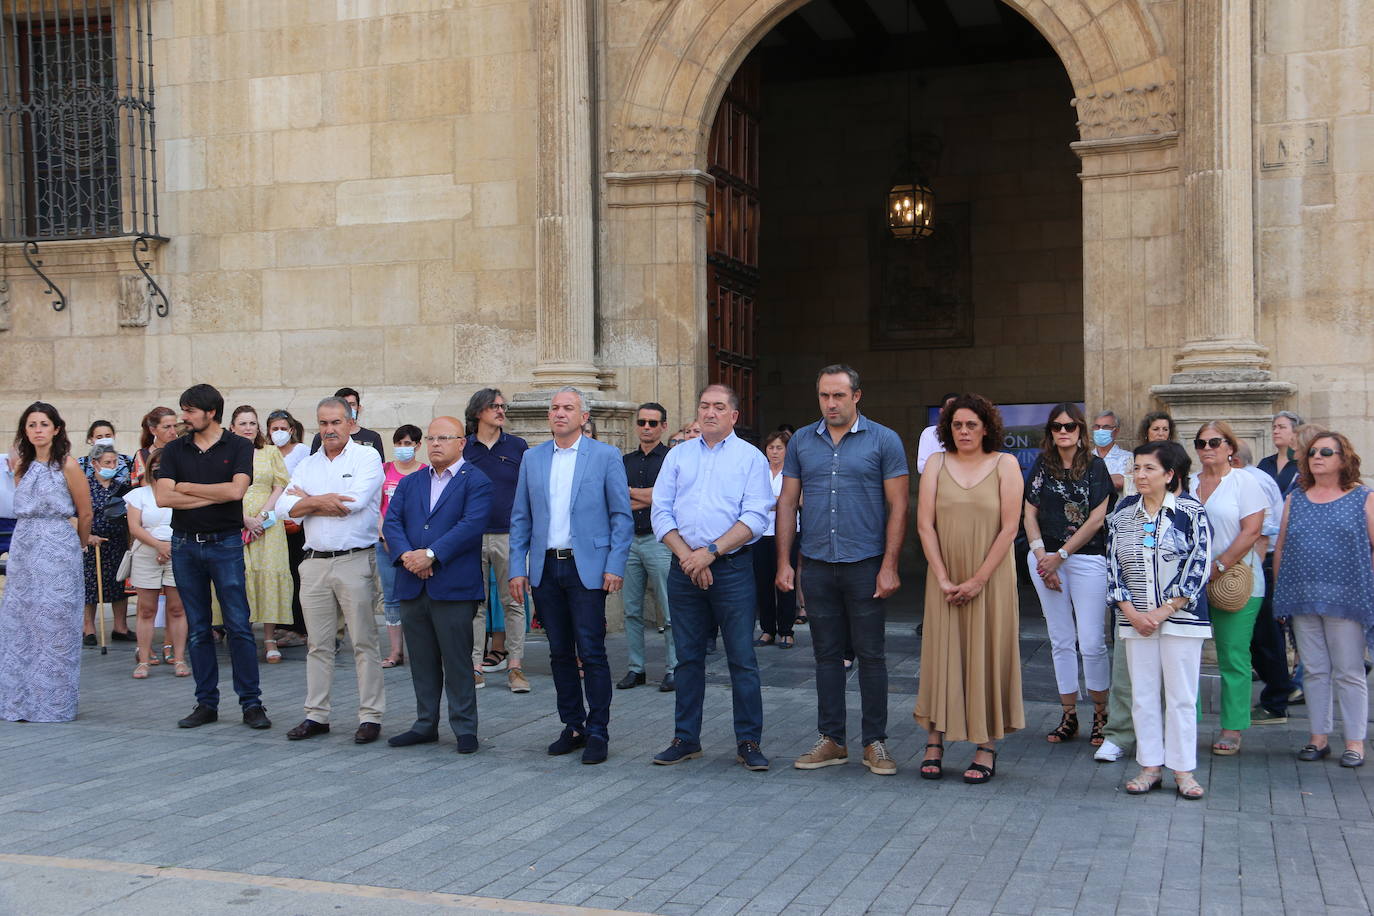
453	531
602	527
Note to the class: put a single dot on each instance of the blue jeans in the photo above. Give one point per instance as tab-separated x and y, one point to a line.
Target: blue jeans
841	609
574	618
197	564
647	567
391	607
729	603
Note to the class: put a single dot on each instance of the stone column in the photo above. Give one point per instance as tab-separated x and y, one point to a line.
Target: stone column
564	236
1222	371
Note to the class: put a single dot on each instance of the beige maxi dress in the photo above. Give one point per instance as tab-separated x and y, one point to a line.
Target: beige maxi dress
970	685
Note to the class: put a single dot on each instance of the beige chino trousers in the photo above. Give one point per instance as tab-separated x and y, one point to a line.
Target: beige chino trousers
334	591
496	554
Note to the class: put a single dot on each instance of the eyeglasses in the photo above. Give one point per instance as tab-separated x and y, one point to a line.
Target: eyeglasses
1214	442
1324	452
433	439
1100	426
500	407
640	421
1069	427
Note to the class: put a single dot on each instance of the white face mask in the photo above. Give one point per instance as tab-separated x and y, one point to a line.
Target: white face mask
280	437
105	440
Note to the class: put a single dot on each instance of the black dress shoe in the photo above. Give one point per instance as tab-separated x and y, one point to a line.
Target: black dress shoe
308	728
88	639
668	685
367	733
126	636
567	742
201	715
595	751
631	679
467	744
256	717
406	739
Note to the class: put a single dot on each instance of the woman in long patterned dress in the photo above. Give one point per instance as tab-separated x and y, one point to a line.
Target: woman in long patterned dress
107	483
967	514
40	615
266	567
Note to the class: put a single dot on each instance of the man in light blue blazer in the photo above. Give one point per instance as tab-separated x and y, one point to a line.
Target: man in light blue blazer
570	534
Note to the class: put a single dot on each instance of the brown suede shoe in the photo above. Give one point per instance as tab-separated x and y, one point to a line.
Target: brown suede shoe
826	753
878	760
518	683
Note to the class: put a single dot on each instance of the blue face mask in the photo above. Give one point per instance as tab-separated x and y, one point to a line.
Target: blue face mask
405	452
107	473
1102	437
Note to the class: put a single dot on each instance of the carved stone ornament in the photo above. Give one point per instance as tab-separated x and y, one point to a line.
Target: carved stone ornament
651	148
135	302
4	305
1132	112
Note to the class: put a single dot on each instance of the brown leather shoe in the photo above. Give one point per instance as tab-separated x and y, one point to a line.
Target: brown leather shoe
367	733
308	728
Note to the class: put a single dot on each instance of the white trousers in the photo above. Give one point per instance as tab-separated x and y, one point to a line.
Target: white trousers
1165	736
1077	615
1332	653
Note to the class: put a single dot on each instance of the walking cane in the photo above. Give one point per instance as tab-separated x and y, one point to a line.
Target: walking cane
100	601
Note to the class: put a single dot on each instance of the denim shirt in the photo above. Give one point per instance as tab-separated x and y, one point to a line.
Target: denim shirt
844	508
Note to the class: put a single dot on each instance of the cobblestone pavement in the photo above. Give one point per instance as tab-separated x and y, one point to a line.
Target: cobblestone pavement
94	811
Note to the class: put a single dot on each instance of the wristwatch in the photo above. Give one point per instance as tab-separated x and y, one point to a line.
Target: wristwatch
1063	554
429	553
711	548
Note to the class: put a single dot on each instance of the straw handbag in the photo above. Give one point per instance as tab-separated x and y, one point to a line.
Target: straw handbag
1231	590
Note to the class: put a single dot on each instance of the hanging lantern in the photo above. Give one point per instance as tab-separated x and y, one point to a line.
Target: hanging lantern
911	208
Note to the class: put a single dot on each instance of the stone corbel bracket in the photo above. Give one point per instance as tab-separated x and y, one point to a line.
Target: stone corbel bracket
83	257
1136	111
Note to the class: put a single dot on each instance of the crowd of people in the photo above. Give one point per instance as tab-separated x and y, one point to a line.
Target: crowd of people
1135	558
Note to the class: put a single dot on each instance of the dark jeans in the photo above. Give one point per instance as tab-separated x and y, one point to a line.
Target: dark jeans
1267	650
574	619
196	565
777	610
728	604
439	640
841	608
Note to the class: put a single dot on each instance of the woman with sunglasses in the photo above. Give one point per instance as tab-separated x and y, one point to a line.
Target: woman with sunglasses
1326	584
1066	505
1157	548
1235	506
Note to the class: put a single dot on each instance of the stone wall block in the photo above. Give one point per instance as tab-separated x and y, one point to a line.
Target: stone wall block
365	244
238	160
428	89
1328	83
184	165
483	353
302	206
342	368
403	200
386	294
413	148
305	298
419	355
98	364
498	204
286	102
222	300
447	295
322	154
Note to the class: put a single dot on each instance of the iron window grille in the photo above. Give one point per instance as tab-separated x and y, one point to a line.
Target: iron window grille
78	141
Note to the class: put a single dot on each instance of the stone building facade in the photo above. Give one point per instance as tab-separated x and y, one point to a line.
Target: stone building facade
421	197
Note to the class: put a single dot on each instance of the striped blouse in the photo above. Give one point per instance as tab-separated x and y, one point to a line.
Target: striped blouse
1177	566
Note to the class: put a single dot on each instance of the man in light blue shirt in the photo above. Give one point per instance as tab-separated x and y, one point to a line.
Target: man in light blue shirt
850	476
710	503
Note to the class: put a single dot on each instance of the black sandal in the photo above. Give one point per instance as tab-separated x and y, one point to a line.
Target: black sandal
1095	737
936	762
984	773
1067	727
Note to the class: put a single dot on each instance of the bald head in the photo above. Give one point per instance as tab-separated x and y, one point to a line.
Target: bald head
445	442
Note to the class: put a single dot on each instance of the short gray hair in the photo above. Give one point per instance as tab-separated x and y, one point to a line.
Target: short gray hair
840	369
730	394
1291	417
335	401
99	451
569	389
1116	421
1243	456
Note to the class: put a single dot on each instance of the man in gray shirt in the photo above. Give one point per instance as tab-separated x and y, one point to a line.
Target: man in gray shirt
852	474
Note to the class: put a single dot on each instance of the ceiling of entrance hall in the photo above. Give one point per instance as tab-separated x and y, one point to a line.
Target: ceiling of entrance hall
846	37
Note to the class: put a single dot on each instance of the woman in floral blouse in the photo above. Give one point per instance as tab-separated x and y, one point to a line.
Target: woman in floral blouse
1066	505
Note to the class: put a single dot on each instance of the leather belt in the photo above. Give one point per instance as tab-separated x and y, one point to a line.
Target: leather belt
207	537
559	553
327	554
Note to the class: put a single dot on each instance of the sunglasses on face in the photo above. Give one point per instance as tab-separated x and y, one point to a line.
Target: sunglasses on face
640	421
1069	427
1214	442
1324	452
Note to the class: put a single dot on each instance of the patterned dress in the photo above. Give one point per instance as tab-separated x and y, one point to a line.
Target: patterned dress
266	564
116	532
40	615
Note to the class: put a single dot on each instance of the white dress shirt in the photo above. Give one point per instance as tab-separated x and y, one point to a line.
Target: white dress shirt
702	491
561	469
1273	516
929	445
356	472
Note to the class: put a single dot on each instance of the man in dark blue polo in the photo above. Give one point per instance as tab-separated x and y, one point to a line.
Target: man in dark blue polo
850	476
497	454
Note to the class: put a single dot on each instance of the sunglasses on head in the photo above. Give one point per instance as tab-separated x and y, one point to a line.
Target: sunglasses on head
1069	427
640	421
1324	452
1214	442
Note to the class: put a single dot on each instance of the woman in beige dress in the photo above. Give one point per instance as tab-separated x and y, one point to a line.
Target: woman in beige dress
967	516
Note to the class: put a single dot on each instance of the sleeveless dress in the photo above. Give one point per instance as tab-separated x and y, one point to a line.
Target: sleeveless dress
40	615
1326	559
970	685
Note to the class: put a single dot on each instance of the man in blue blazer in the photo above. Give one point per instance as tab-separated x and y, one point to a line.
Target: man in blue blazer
433	532
570	534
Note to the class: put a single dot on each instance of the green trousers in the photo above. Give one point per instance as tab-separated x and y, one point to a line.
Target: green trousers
1231	631
1120	728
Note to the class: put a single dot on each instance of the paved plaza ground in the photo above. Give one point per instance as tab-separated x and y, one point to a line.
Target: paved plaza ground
121	812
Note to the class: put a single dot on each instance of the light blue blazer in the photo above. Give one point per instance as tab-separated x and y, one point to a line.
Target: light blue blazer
602	526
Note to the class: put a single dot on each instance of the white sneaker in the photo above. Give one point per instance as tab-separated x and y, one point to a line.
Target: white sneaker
1108	753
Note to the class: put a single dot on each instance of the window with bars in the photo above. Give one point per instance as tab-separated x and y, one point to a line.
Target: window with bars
76	120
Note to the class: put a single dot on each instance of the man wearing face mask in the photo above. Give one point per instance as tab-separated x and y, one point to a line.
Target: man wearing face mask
1119	461
358	432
